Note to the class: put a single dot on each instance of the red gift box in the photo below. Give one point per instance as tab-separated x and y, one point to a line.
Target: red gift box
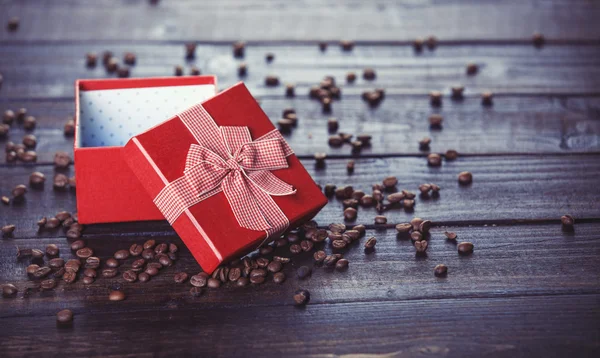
165	155
108	113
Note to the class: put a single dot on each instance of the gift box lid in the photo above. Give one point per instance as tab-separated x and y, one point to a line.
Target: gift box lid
209	169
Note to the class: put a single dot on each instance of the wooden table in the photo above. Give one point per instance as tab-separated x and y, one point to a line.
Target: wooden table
529	289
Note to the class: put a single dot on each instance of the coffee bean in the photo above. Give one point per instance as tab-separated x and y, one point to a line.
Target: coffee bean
138	265
84	253
350	166
316	236
341	264
148	254
465	248
60	182
213	283
42	272
319	256
369	74
161	248
37	254
465	178
242	69
61	160
64	316
435	122
303	272
69	128
59	273
121	255
135	250
239	49
380	220
421	246
149	244
116	296
8	117
199	280
112	65
90	272
339	244
295	249
416	236
143	277
165	261
9	290
129	58
330	260
69	276
538	39
350	214
271	81
457	92
440	270
33	267
57	262
434	160
487	98
435	98
130	276
5	200
326	105
301	297
178	70
266	250
48	284
257	280
111	262
87	280
472	69
262	262
234	274
91	59
8	230
92	262
370	244
567	220
180	277
450	235
72	265
390	182
306	245
347	45
425	226
110	272
37	179
77	245
258	273
274	266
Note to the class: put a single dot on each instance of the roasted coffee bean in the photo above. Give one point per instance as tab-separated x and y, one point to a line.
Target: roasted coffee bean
21	113
61	271
341	264
63	215
350	214
73	233
258	272
347	45
165	261
37	179
279	277
234	274
338	228
301	297
199	280
416	236
61	160
64	316
90	272
330	260
213	283
151	270
335	236
143	277
91	59
7	230
421	246
329	190
129	58
450	235
29	140
326	105
69	128
281	242
112	263
369	74
60	182
435	122
161	248
424	143
138	265
395	197
257	280
380	220
148	254
567	220
262	262
487	98
538	39
19	191
425	189
110	272
42	272
390	182
11	156
173	248
274	266
67	223
23	252
303	272
37	254
416	223
283	260
134	250
194	71
350	203
370	244
434	160
42	223
350	166
239	49
271	81
52	223
465	178
285	125
57	262
28	156
149	244
69	276
72	265
435	98
106	56
242	69
33	267
425	226
366	201
48	284
9	290
440	270
306	245
472	69
266	250
130	276
5	200
116	296
352	234
335	141
465	248
295	249
319	256
180	277
87	280
418	45
84	253
92	262
178	71
8	117
338	244
457	92
121	255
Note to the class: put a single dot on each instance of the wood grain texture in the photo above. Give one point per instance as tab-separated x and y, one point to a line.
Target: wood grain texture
280	20
516	124
504	188
49	71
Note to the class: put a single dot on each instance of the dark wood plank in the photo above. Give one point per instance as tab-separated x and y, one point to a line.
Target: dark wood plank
516	124
509	327
307	20
508	261
504	188
48	70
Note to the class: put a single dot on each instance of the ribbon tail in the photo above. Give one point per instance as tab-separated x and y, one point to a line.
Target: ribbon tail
245	208
271	212
271	184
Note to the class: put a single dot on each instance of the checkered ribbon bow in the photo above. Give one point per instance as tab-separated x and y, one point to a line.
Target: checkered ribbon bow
227	159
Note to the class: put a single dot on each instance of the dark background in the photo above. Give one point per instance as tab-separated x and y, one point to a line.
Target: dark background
529	289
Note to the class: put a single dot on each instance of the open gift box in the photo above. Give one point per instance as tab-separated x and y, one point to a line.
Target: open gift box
223	177
108	113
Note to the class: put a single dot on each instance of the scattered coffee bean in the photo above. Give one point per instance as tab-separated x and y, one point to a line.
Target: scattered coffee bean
213	283
239	49
199	280
84	253
472	69
73	265
465	178
92	262
135	250
465	248
129	58
33	267
116	296
190	50
269	57
130	276
29	123
123	72
416	236
390	182
5	200
37	254
319	256
87	280
37	179
109	272
538	39
347	45
8	117
380	220
112	65
161	248
13	24
350	214
90	272
487	98
143	277
165	261
60	182
180	277
56	263
149	244
421	246
435	122
69	276
9	290
279	277
440	270
434	160
351	77
19	191
303	272
178	70
457	92
323	46
425	226
91	59
69	128
266	250
234	274
64	316
8	230
567	220
194	71
271	81
121	255
21	114
451	154
301	297
326	105
435	98
112	263
450	235
48	284
350	166
370	244
63	215
341	264
369	74
242	69
274	266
